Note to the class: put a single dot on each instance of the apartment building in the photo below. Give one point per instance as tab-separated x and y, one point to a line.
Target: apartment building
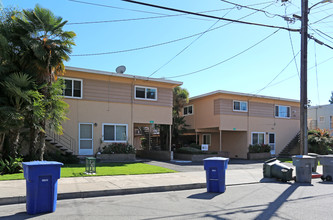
107	107
231	121
321	117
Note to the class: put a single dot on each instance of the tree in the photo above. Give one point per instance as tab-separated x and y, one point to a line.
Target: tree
34	42
46	47
18	95
331	99
180	99
320	141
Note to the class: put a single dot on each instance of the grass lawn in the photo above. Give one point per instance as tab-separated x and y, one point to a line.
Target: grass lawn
102	169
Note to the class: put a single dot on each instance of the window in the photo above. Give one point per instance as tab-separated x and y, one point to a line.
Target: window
73	88
145	93
282	111
206	139
321	119
240	106
115	132
331	122
258	138
188	110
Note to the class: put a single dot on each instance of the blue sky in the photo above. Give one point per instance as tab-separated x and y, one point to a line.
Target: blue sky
259	69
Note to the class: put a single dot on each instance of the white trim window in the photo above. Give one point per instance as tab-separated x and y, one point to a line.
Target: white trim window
282	111
321	118
258	138
145	93
73	88
115	132
240	106
206	139
188	110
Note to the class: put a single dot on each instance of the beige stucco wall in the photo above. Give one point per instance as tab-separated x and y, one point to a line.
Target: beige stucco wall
110	99
216	111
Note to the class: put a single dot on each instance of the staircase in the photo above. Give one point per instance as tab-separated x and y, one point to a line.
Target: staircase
292	147
65	143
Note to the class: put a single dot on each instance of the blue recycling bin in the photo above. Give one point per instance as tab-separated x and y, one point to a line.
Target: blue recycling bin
215	173
42	185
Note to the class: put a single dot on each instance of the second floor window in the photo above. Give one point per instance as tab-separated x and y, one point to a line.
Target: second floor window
240	106
282	111
188	110
145	93
73	88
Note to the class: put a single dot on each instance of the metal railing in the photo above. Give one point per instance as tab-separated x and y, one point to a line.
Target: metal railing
64	140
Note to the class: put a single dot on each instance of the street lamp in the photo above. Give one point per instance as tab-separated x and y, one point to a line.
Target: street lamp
304	66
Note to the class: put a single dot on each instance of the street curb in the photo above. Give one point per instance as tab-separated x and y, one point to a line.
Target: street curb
113	192
116	192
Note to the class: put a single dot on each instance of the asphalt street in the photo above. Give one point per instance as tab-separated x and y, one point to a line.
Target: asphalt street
250	201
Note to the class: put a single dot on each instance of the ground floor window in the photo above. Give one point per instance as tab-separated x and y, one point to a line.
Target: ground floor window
115	132
258	137
206	139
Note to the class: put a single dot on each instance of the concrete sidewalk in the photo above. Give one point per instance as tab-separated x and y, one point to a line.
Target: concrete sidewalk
83	187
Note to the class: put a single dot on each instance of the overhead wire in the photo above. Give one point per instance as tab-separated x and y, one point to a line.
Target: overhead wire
223	61
316	66
292	46
210	16
192	42
321	34
267	85
159	44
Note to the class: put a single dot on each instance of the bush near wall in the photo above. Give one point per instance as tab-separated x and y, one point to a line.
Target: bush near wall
118	148
259	148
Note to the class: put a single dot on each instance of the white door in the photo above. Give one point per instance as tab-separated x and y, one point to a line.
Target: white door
85	139
271	142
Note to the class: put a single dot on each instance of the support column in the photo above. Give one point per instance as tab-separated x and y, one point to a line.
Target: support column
170	137
220	140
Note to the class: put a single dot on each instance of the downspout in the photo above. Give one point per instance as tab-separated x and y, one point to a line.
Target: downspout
132	102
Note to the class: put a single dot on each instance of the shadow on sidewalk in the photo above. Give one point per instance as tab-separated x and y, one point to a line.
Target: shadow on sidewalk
23	215
204	195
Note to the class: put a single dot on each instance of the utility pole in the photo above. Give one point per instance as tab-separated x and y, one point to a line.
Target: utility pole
304	89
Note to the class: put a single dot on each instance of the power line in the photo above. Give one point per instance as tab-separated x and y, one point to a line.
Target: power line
202	35
321	19
145	47
318	41
187	46
292	47
211	16
316	71
223	61
278	74
320	34
114	7
259	10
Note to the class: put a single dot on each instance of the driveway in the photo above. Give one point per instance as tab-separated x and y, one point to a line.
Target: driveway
188	166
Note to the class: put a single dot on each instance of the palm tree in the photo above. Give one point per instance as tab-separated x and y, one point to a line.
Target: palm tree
45	46
17	96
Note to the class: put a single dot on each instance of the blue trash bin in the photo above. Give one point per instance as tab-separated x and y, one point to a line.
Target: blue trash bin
215	173
42	185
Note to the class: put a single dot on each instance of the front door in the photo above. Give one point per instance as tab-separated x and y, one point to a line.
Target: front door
271	142
85	139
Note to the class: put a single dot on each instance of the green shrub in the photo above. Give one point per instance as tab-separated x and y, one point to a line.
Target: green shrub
13	165
259	148
194	145
191	150
320	142
65	159
118	148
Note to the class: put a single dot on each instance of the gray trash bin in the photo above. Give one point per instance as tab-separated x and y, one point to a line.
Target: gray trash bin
273	168
314	168
303	164
327	162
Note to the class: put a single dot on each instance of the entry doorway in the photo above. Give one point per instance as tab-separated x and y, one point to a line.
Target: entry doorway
271	142
86	139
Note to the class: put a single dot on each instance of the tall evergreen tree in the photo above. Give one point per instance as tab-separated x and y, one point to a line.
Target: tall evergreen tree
331	99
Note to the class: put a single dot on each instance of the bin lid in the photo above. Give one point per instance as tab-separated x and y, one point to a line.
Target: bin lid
303	157
216	158
42	163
